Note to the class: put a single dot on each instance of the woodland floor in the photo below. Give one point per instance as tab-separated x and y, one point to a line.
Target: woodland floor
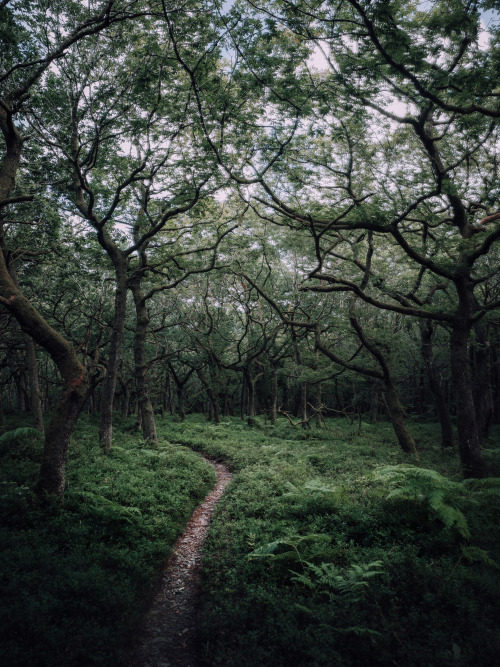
167	635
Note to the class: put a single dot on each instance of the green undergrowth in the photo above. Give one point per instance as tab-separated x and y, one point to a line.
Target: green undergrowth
332	548
74	578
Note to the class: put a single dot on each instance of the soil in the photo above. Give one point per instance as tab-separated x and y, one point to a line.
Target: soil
167	636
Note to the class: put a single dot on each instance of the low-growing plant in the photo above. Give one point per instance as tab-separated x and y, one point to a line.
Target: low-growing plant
75	577
441	495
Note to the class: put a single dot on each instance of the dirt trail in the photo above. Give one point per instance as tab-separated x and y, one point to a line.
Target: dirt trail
168	634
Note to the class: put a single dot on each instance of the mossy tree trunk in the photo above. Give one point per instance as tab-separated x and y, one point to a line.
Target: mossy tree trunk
74	377
109	385
273	411
443	414
483	379
469	438
141	367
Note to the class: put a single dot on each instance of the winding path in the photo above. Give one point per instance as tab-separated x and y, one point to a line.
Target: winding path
168	634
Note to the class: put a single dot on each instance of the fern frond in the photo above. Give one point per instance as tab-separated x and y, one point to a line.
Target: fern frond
428	487
475	555
18	433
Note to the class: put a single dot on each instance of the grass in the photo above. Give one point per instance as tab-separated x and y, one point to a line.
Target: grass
74	579
309	563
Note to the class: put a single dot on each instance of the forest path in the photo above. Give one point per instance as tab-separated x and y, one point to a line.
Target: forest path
168	633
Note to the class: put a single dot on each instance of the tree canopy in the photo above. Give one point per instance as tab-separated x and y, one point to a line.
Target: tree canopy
250	207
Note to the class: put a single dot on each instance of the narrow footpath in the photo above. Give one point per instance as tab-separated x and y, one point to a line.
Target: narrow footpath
168	634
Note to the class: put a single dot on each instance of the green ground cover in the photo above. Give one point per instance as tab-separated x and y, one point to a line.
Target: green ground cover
309	562
74	579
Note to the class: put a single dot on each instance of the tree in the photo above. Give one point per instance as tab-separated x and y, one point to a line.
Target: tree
344	159
129	145
29	47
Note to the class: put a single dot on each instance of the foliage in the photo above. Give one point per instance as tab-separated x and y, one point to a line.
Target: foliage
326	579
74	578
428	487
308	562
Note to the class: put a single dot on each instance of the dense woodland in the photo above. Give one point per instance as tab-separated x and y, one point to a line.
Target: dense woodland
277	215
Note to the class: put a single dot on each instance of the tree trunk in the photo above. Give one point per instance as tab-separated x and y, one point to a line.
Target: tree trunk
168	403
303	385
443	414
138	416
391	397
374	404
125	400
495	376
250	384
31	366
483	385
109	386
141	379
319	399
181	400
273	412
214	402
21	394
36	394
469	441
396	415
243	398
73	374
213	399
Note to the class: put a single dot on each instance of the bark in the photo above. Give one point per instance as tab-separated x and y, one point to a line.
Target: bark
469	441
496	385
250	383
396	415
109	386
440	403
319	399
393	404
303	385
273	412
125	400
138	415
374	405
168	403
243	399
181	402
35	393
73	374
141	367
213	399
483	380
21	394
180	384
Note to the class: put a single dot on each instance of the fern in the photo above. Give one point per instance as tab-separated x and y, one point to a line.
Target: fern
441	496
477	555
291	544
108	508
427	487
315	488
19	433
326	579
